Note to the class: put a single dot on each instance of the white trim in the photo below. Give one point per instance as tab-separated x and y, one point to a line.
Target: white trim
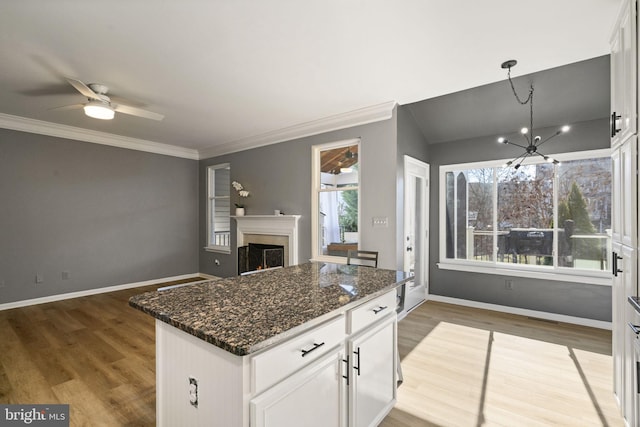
600	278
78	294
523	312
280	225
363	116
316	153
24	124
493	267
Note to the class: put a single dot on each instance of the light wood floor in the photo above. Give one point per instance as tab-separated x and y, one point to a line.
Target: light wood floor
472	367
462	366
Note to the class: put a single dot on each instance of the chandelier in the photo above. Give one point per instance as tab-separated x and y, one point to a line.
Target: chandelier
533	142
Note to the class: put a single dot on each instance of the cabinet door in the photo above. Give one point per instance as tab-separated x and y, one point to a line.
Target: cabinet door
623	74
628	272
628	191
618	325
372	392
624	195
314	396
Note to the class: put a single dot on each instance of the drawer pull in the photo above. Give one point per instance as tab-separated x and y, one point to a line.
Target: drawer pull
357	368
315	346
346	370
635	328
379	309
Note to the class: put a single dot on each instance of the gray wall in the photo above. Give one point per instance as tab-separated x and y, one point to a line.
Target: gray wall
573	299
279	177
411	142
106	215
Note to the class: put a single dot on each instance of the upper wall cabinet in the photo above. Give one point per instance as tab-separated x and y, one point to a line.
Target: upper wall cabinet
623	75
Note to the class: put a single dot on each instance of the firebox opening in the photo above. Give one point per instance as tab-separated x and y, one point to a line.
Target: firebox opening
258	256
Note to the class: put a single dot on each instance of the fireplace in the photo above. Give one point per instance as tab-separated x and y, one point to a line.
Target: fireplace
277	234
258	256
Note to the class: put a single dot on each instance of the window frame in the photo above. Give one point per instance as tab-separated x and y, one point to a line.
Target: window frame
554	272
316	189
211	215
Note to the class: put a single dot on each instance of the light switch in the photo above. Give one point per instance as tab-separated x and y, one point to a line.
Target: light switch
380	222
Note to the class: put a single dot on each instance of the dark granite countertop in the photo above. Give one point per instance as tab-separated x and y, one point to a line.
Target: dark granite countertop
248	313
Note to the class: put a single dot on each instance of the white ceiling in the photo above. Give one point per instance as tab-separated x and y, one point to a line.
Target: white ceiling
226	73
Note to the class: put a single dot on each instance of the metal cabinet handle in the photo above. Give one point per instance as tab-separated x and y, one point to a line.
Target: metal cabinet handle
379	309
346	370
357	368
635	328
614	129
315	347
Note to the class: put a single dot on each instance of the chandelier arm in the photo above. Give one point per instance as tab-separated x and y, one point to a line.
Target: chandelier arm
517	145
551	137
521	157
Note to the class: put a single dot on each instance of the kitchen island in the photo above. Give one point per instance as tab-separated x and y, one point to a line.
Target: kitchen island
312	344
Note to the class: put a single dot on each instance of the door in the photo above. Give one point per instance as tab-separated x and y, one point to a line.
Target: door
416	230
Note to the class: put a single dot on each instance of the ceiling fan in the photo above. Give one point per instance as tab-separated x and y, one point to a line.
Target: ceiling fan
100	105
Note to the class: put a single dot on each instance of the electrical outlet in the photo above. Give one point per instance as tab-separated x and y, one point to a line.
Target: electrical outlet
193	391
216	261
508	285
65	275
39	278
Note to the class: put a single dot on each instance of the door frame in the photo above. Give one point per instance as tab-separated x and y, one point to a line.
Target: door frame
415	167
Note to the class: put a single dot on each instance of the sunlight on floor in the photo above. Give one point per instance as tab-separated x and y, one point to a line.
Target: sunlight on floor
486	377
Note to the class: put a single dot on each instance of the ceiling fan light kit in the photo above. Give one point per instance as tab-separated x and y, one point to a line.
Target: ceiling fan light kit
100	105
533	142
99	110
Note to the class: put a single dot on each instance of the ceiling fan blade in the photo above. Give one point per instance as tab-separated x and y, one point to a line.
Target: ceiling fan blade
126	109
83	88
68	107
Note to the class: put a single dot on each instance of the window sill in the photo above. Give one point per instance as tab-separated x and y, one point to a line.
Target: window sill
217	249
602	278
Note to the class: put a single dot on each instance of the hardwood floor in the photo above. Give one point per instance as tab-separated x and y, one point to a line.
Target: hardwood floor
472	367
95	353
462	366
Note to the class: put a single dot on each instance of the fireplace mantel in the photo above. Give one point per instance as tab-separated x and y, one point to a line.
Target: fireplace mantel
270	225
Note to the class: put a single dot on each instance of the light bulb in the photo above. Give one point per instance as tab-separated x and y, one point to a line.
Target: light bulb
502	140
565	128
524	131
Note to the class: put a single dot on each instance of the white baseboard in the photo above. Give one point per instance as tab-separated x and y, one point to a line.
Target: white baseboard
523	312
78	294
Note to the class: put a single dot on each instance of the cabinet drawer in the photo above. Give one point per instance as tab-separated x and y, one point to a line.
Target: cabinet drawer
275	364
364	315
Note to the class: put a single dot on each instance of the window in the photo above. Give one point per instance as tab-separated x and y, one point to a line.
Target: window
335	203
218	208
542	217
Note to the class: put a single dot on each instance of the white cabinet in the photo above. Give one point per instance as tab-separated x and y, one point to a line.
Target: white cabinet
624	143
324	376
372	389
624	285
354	384
624	75
312	397
624	224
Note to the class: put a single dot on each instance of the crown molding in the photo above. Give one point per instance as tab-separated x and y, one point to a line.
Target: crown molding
375	113
24	124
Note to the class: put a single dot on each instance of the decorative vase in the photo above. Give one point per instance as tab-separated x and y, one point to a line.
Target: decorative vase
239	211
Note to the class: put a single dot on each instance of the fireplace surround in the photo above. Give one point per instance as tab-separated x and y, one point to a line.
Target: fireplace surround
279	230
